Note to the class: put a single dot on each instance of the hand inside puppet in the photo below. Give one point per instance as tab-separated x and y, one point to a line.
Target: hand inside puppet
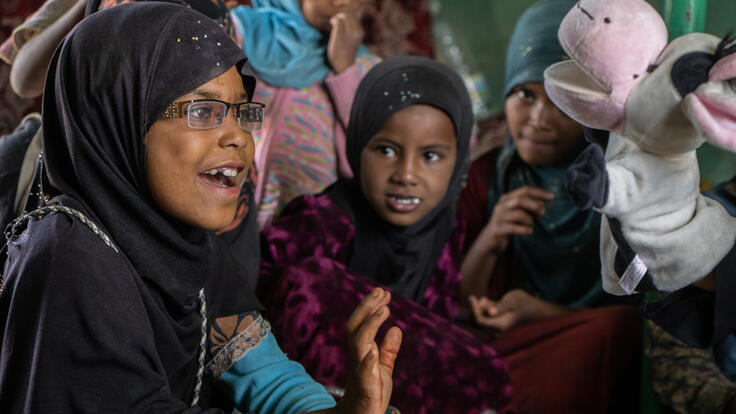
660	102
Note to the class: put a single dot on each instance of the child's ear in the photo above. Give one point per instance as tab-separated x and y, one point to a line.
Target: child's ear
582	98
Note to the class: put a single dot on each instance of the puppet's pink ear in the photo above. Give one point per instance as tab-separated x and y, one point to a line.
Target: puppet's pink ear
724	69
582	98
712	106
712	109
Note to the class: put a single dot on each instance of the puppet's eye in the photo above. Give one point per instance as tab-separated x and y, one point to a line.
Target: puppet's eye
607	20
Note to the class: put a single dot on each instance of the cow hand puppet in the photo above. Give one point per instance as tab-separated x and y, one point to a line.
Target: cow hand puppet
659	102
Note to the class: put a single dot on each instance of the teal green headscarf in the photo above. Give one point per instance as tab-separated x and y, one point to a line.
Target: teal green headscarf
534	45
559	261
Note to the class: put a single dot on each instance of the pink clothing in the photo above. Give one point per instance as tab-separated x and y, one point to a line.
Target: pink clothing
301	147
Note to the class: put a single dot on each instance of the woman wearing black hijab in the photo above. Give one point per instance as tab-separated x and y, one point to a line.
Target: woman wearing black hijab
394	224
118	297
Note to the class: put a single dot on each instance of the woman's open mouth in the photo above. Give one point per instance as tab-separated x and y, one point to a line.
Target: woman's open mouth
223	180
223	176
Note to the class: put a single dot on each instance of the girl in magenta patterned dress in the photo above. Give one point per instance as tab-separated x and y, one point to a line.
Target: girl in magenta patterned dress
394	224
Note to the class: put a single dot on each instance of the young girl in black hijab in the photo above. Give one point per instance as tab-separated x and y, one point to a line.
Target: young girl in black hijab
118	297
394	224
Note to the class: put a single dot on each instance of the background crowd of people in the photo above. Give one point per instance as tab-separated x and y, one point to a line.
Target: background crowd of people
354	238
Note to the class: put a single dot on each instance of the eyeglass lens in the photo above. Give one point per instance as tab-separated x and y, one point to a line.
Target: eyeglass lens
210	114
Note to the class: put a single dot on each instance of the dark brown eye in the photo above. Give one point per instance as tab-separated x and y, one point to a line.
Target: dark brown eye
607	20
525	94
432	156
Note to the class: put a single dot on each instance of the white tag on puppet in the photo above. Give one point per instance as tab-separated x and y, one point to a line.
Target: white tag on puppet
635	271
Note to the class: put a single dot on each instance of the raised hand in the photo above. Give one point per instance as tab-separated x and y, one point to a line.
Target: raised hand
346	34
514	215
369	385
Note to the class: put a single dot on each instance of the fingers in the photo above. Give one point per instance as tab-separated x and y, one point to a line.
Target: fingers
364	339
502	322
368	368
530	199
536	192
390	347
387	357
370	303
512	222
494	315
343	21
337	21
369	379
483	309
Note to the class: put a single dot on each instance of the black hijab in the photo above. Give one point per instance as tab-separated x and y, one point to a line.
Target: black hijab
214	9
101	98
403	258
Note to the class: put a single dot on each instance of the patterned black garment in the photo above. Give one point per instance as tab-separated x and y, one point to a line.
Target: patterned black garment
101	311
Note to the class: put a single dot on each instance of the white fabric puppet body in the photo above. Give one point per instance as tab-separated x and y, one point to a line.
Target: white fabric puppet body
623	77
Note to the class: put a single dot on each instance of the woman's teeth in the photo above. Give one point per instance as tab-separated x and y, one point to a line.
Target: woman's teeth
227	172
223	176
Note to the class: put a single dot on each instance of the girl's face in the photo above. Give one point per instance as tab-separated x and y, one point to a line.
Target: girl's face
542	133
179	158
406	166
318	12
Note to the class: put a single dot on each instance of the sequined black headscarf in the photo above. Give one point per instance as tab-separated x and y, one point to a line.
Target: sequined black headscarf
403	258
100	100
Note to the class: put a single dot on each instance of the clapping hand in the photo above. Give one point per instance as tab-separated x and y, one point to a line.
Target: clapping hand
369	385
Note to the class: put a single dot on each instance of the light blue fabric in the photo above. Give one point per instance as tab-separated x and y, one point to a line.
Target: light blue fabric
282	48
265	381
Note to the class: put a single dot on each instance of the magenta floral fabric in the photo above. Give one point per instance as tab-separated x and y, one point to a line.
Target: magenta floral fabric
310	293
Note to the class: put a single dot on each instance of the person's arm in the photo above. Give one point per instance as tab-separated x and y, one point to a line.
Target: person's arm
28	73
515	308
478	265
265	381
342	89
513	215
346	35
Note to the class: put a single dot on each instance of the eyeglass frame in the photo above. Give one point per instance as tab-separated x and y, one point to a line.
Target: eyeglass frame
176	110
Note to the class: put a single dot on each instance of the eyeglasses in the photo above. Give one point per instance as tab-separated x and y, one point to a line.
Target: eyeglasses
211	113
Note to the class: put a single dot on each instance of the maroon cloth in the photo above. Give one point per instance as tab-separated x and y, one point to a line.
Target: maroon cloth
588	359
310	294
398	27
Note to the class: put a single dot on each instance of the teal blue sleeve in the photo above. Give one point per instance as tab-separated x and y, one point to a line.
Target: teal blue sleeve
265	381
